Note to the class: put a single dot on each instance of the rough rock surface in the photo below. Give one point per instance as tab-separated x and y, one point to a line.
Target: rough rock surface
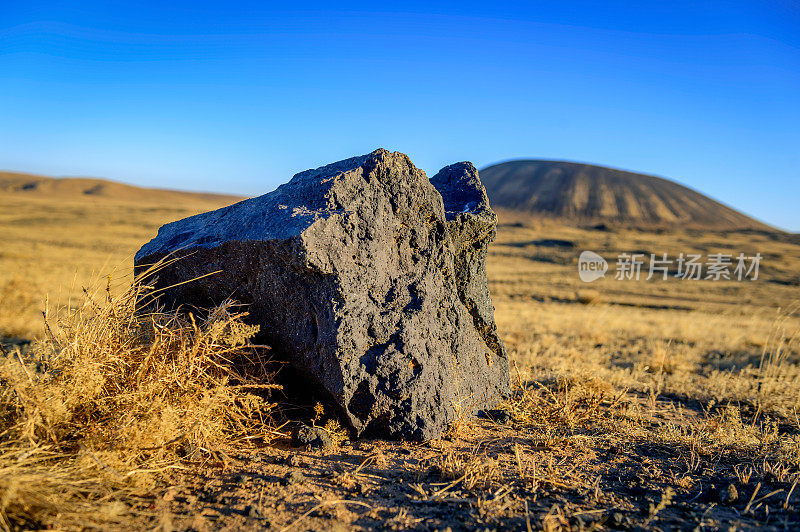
305	436
472	226
351	273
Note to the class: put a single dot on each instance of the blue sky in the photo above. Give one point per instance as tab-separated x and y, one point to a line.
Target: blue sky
237	96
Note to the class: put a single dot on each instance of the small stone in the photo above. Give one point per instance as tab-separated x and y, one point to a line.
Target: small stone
497	415
729	495
315	437
226	500
252	511
293	477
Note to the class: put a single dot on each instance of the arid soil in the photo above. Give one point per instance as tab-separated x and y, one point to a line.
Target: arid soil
489	476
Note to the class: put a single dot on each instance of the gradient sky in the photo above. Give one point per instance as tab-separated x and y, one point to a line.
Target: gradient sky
238	96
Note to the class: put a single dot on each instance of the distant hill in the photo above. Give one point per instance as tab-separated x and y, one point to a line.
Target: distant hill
585	193
87	188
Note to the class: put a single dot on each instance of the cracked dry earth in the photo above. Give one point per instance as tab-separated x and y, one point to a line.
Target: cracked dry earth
490	476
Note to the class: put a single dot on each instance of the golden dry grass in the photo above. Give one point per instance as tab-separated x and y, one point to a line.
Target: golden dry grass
703	340
698	383
115	396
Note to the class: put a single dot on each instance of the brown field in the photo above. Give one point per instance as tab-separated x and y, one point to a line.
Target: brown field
56	238
639	405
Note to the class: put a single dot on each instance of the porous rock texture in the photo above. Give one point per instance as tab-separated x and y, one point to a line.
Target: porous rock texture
472	225
351	272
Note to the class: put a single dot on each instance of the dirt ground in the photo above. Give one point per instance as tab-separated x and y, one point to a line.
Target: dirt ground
491	476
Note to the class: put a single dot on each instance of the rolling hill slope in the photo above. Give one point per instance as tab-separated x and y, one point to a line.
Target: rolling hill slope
74	187
584	193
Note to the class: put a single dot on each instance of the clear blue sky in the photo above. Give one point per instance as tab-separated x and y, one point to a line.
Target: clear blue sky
237	96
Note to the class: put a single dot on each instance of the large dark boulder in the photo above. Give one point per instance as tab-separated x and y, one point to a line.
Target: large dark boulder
352	274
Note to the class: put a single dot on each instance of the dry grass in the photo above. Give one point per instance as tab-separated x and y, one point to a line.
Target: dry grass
17	302
690	355
469	470
675	391
115	396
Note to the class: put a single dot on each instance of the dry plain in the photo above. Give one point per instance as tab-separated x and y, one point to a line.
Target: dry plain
661	404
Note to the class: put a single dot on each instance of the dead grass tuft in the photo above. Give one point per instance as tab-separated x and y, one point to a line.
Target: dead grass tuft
778	379
467	470
567	401
116	395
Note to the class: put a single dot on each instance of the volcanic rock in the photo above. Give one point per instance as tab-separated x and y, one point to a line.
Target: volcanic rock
305	436
352	274
472	226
